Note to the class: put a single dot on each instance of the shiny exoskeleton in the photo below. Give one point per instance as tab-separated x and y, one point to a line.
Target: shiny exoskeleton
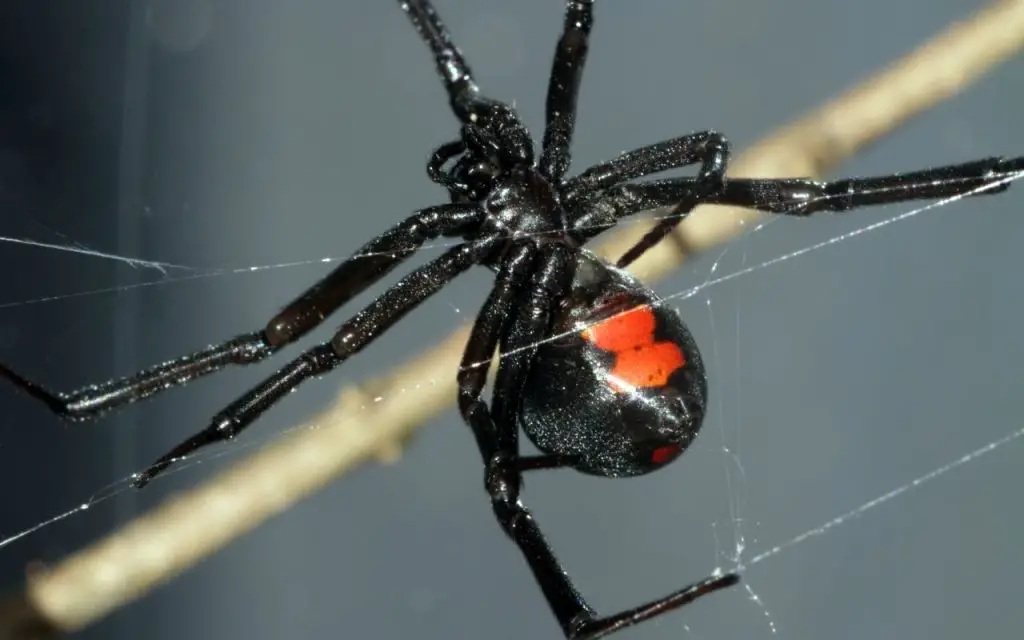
620	387
599	374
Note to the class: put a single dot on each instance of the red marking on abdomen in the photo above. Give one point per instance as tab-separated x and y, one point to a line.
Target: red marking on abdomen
640	361
666	454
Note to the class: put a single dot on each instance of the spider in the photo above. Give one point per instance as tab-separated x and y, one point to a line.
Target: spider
599	376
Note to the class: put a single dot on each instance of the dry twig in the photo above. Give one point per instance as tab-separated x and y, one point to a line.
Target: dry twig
148	551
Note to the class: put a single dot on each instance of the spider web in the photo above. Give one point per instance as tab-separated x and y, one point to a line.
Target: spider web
860	463
724	433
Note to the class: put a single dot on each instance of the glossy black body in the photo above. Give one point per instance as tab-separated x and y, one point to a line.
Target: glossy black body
517	213
570	409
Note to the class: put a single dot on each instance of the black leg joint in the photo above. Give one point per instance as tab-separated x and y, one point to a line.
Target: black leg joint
711	178
503	484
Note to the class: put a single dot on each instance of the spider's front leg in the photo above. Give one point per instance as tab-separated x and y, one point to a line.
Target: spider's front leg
708	148
564	87
799	197
802	197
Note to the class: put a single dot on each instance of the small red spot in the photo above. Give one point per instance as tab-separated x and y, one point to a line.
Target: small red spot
639	360
665	454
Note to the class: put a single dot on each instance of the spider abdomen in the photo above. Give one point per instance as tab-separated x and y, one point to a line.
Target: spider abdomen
621	386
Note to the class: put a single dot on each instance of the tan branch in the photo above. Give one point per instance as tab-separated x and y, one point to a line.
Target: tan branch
148	551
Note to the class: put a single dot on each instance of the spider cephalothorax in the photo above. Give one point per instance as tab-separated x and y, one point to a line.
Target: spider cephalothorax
594	369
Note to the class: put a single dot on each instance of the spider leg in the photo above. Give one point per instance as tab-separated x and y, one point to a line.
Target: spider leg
599	213
563	88
439	158
658	232
355	334
463	92
510	311
787	196
800	197
483	340
367	266
545	461
709	148
519	315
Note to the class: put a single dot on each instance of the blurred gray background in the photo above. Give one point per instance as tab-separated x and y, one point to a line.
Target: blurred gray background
233	133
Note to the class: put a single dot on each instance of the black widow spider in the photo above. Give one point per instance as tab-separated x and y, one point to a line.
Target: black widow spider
599	376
